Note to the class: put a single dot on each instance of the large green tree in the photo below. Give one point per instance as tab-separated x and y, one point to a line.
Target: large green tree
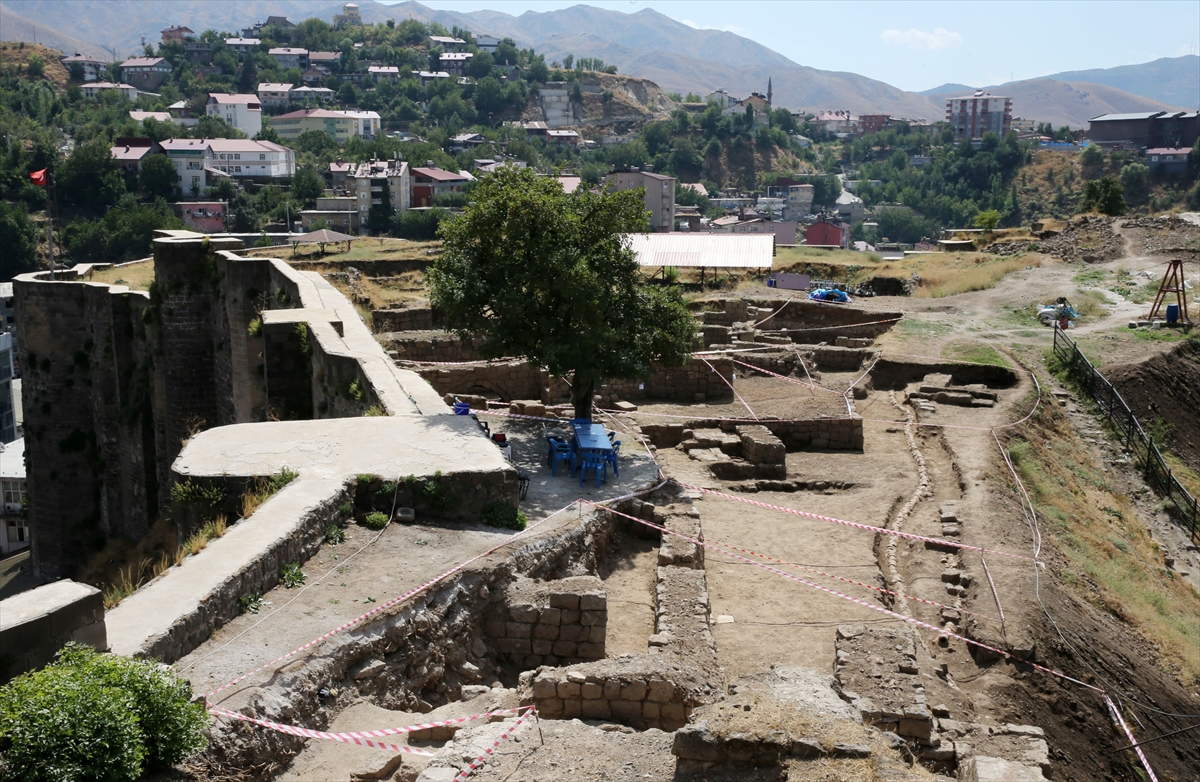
18	237
548	275
158	177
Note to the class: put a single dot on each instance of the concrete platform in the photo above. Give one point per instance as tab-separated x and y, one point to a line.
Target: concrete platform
340	448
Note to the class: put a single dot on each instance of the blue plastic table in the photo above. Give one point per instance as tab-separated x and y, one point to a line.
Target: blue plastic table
591	437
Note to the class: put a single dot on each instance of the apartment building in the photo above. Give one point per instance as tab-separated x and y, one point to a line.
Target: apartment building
200	162
93	90
92	68
973	115
289	57
242	45
659	194
271	94
145	73
365	186
430	182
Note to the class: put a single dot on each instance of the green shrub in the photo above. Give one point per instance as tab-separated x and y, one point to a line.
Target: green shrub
250	604
335	535
376	520
292	576
91	716
346	509
497	514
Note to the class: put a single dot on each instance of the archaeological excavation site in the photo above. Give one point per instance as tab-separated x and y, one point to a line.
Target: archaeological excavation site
822	551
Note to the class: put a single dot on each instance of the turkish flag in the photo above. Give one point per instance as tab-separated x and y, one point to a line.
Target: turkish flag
38	177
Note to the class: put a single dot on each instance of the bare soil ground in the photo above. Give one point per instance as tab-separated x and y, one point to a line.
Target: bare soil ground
1105	608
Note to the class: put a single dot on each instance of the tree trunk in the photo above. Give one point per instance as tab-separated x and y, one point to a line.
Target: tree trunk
582	389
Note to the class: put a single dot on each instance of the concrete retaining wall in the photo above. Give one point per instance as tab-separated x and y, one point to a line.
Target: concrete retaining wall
35	624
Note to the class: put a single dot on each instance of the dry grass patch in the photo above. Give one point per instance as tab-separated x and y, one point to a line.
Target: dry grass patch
137	276
969	272
363	248
1114	562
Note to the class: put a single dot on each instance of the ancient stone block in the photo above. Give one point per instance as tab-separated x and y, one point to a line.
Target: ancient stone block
597	709
564	600
591	690
568	690
550	616
593	602
633	691
548	632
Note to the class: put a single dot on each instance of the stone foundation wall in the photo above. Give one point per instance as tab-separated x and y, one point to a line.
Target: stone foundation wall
840	359
839	434
552	623
695	382
426	345
417	657
633	691
408	319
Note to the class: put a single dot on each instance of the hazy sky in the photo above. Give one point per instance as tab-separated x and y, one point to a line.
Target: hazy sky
919	45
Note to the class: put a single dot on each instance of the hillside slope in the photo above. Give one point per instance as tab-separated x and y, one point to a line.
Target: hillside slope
1174	80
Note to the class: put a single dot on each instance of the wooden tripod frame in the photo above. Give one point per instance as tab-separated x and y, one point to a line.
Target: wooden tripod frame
1172	282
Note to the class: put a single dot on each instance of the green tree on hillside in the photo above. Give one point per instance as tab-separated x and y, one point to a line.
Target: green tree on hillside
158	177
308	185
546	275
18	237
1103	196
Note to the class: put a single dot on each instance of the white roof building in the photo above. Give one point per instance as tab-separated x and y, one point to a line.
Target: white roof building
722	251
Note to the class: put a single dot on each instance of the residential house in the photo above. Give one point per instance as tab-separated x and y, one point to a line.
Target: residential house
1022	125
338	172
487	43
973	115
177	33
157	116
1153	129
835	122
145	73
454	62
384	73
340	213
428	76
803	141
659	194
568	137
828	232
448	43
873	123
325	60
305	94
335	124
243	112
270	94
431	181
93	90
535	130
850	207
199	52
314	75
348	16
463	140
570	183
757	102
16	535
721	98
130	153
289	57
280	22
243	45
365	186
783	232
696	187
338	125
1170	160
92	68
366	124
207	217
181	113
199	161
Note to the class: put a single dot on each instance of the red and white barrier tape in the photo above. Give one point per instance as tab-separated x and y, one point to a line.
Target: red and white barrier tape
344	738
854	524
459	363
788	379
754	553
731	388
384	606
1118	719
477	762
864	603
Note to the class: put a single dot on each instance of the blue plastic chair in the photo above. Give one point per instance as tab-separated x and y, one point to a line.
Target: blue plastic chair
611	457
597	463
560	451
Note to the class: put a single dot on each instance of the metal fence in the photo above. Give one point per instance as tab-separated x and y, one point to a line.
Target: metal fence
1183	506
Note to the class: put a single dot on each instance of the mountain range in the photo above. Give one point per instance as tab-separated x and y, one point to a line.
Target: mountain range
646	44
